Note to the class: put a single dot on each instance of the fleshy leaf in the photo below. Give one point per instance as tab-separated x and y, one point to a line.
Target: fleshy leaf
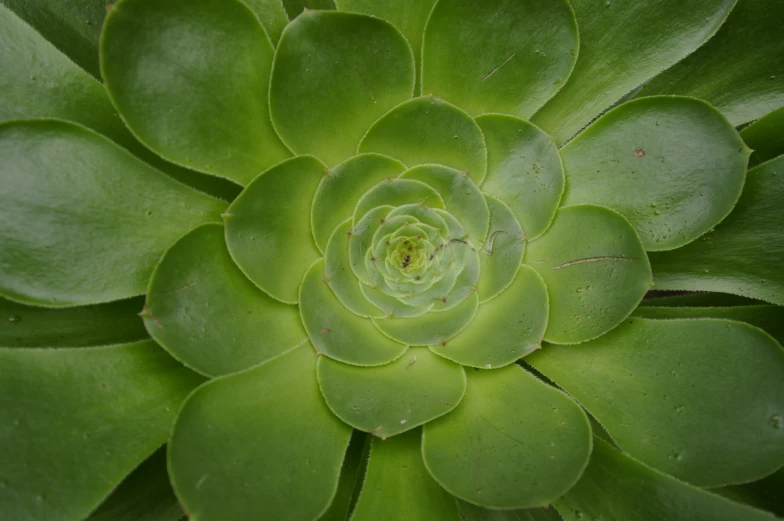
743	255
595	269
112	407
351	476
523	170
513	442
397	192
504	329
190	78
337	332
471	512
673	166
502	251
207	314
295	7
428	130
721	73
397	486
268	227
623	44
221	469
334	74
272	16
480	55
617	488
764	494
766	137
700	299
432	328
393	398
677	393
66	190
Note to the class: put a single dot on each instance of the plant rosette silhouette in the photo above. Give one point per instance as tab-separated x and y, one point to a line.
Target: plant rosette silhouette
425	224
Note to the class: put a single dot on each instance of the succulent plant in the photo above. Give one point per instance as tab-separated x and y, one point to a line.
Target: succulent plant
389	260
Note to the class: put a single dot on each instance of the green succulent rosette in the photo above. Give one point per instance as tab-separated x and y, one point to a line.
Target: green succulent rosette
389	260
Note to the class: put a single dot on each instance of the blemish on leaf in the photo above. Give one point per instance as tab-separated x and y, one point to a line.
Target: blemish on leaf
639	152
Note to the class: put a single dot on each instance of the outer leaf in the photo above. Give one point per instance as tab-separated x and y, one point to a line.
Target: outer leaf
470	512
272	16
223	471
700	299
764	494
677	393
722	74
617	488
113	407
622	44
66	190
190	80
765	136
351	476
295	7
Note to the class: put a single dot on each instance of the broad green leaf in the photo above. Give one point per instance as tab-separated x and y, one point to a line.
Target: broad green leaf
393	398
145	495
743	255
615	487
595	269
295	7
721	73
432	328
673	166
765	136
398	487
699	299
207	314
502	251
352	474
259	444
335	74
396	192
75	422
677	393
764	494
505	329
337	332
83	220
623	43
524	170
513	442
272	16
341	188
428	130
190	78
481	55
268	227
471	512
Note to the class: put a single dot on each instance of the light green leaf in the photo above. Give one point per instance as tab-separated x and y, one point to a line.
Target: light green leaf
335	74
429	130
617	488
506	328
480	55
673	166
260	443
471	512
398	487
65	190
743	255
677	393
272	16
514	442
189	78
622	44
352	474
207	314
432	328
268	227
295	7
87	415
766	137
502	251
396	192
595	269
524	170
393	398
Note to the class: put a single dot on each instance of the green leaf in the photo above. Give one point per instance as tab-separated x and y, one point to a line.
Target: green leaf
514	442
398	487
622	44
429	130
764	494
700	299
189	78
145	495
337	332
617	488
268	227
677	393
322	102
595	269
112	407
502	251
471	512
207	314
506	328
524	170
272	16
295	7
260	443
351	476
743	255
766	137
480	55
392	193
65	191
393	398
432	328
721	73
673	166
